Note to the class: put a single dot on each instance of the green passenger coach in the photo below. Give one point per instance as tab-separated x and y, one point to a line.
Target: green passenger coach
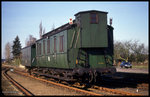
52	51
82	50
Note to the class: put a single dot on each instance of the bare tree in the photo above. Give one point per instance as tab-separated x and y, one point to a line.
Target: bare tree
44	31
7	51
117	49
40	31
30	40
130	50
140	51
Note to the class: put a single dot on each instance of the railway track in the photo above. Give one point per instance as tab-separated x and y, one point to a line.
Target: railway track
122	93
82	90
15	83
109	91
60	85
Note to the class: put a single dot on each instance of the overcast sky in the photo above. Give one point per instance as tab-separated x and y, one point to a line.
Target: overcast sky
130	19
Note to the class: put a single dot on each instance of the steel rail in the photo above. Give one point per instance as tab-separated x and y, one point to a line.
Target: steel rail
61	85
84	91
116	91
19	86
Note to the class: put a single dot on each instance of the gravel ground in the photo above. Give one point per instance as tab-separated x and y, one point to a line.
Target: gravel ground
132	70
135	90
40	88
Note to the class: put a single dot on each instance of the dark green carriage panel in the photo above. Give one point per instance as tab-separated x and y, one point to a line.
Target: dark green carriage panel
94	35
39	53
72	56
53	59
39	61
62	61
70	38
96	61
60	57
72	44
33	55
99	61
73	38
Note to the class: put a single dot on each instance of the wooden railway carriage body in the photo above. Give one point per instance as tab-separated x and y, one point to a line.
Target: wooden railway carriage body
82	49
49	53
28	56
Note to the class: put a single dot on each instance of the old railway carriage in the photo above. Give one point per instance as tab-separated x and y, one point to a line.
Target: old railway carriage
28	56
79	51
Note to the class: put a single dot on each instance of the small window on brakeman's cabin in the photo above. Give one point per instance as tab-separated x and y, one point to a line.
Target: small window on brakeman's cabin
93	18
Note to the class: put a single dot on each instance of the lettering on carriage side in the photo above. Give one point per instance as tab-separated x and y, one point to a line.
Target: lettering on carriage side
100	63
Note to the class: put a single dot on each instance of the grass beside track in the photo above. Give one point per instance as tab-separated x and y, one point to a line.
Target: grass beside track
140	66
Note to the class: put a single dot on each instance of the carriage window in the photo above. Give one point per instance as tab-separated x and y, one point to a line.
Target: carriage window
94	18
39	49
48	46
61	40
55	44
43	46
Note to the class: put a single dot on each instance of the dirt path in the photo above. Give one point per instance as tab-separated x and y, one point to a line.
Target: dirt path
132	70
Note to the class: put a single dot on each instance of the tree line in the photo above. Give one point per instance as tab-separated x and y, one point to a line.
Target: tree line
131	51
13	51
